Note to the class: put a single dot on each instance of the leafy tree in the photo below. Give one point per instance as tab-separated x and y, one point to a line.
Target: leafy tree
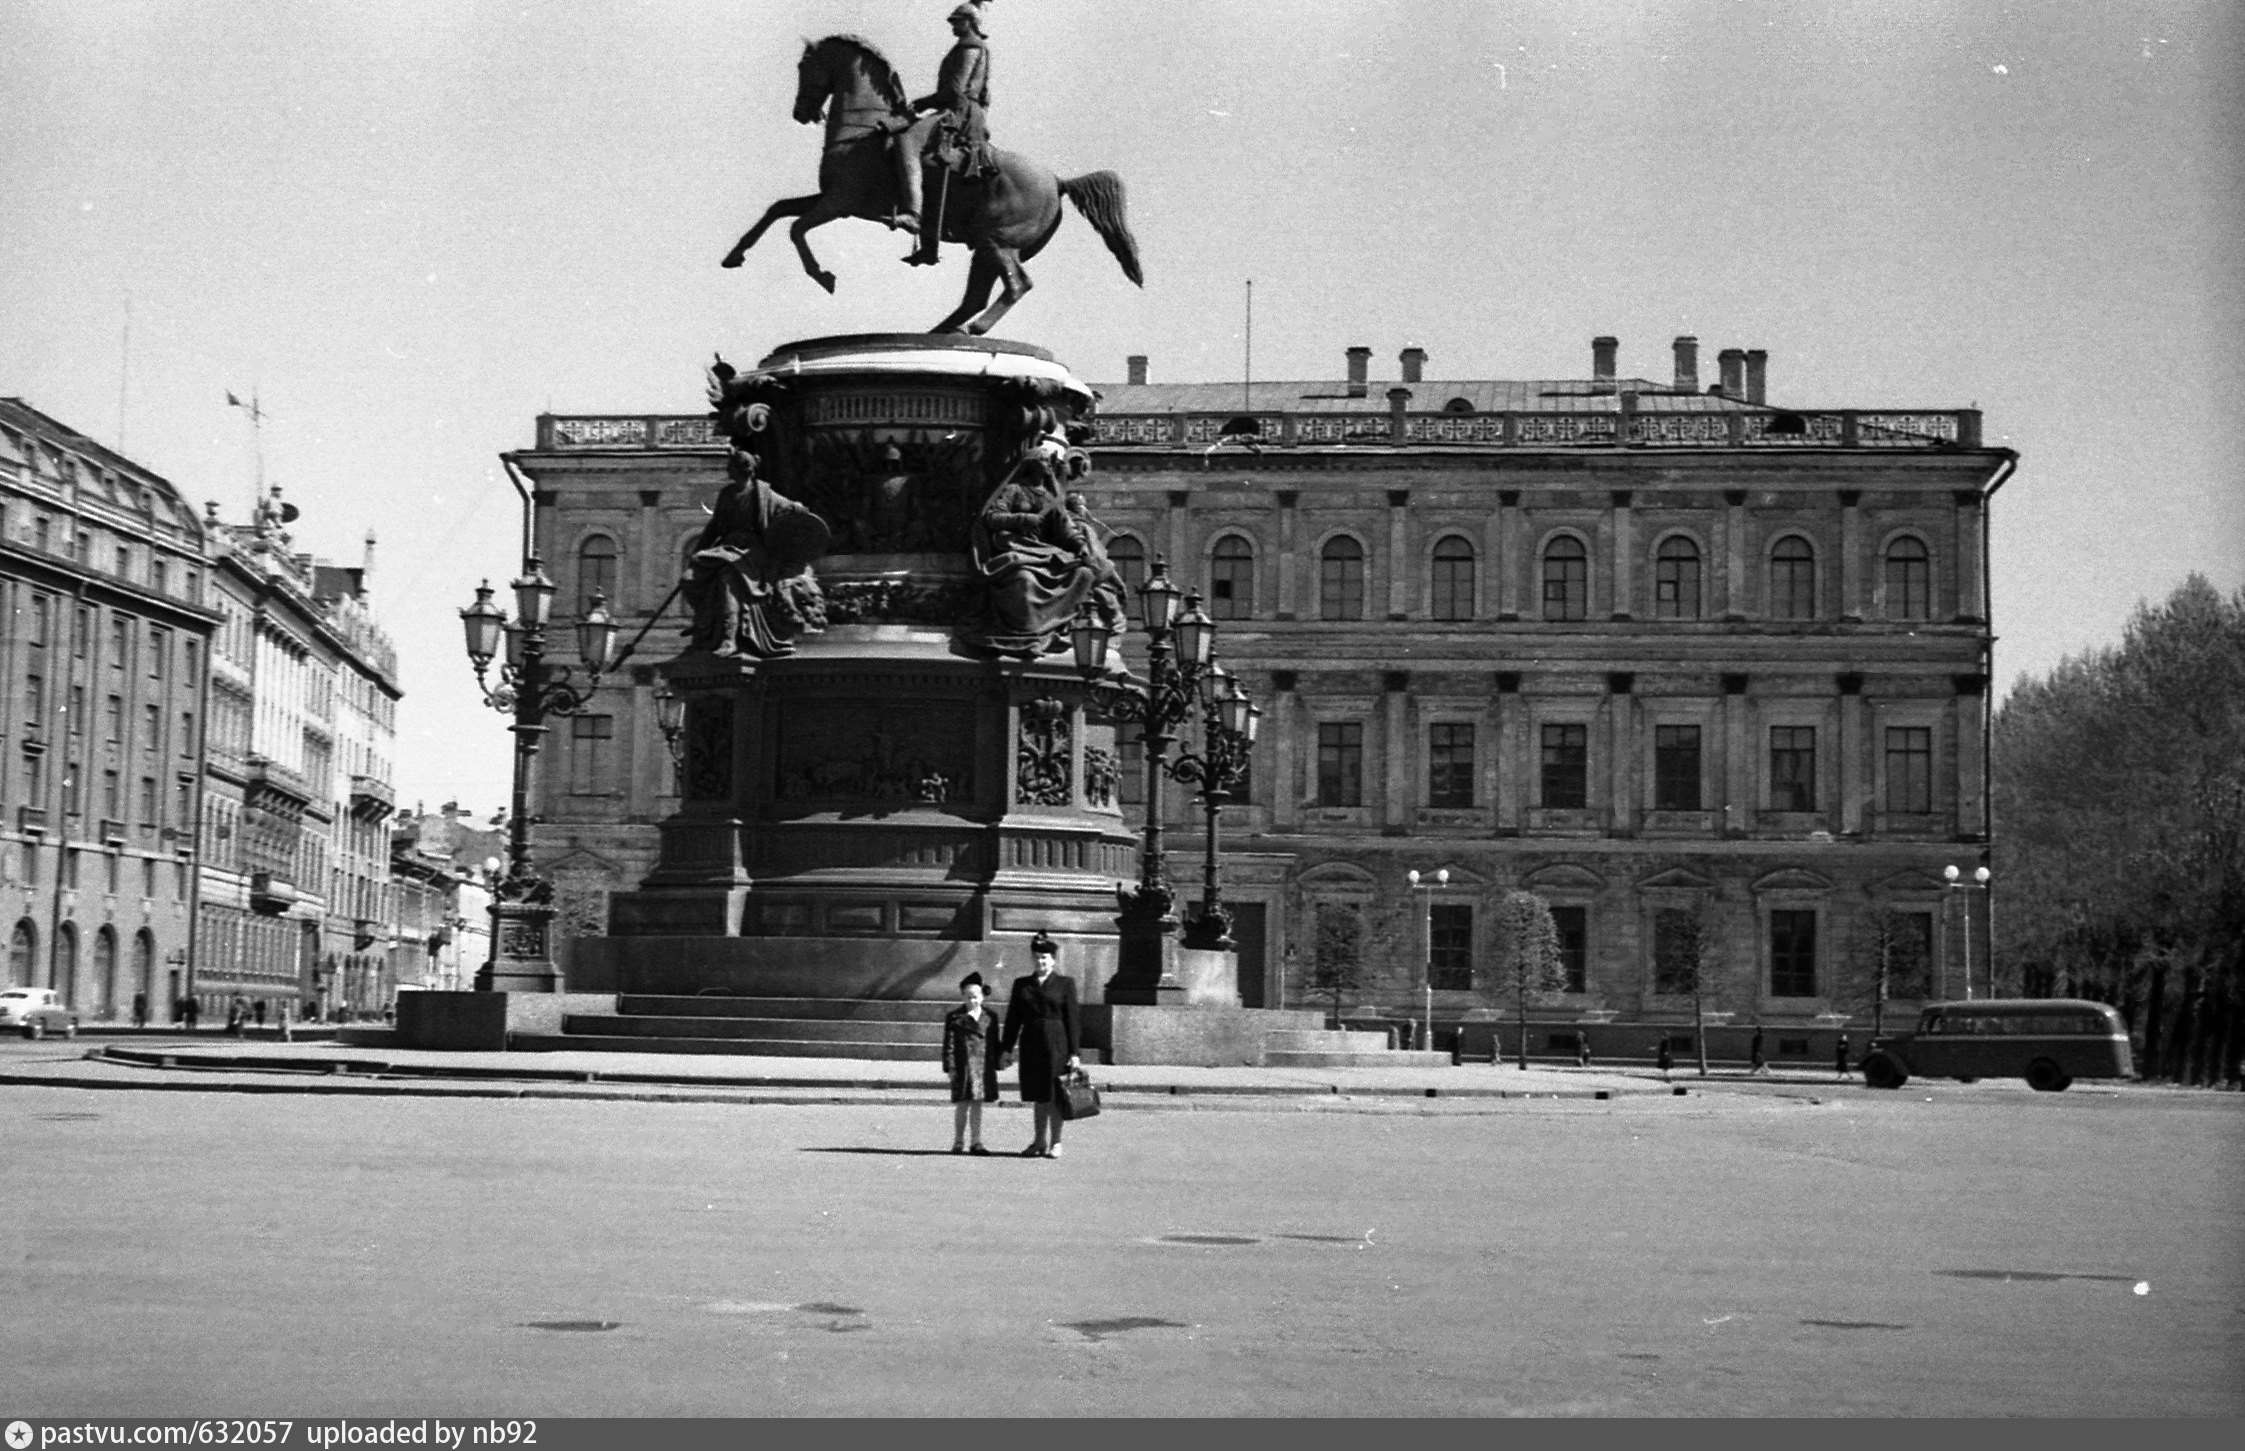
1337	962
1684	947
2119	852
1529	964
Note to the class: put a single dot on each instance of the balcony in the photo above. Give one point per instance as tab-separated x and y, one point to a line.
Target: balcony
271	786
112	831
31	820
372	798
271	895
365	932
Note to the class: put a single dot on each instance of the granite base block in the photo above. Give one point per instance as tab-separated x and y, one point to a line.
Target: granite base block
1192	1037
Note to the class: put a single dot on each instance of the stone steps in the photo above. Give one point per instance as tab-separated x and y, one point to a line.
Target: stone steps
1382	1057
1323	1040
713	1005
928	1036
747	1047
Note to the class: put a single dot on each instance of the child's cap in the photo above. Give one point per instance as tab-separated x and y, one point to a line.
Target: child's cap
972	979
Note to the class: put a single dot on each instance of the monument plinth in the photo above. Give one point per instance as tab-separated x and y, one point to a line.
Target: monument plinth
888	778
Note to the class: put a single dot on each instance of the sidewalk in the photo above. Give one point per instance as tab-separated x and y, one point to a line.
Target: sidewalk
331	1068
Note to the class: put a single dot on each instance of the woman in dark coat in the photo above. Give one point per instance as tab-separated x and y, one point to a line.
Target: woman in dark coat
971	1057
1042	1026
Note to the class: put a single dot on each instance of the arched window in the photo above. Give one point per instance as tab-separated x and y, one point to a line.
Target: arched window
1792	579
1231	579
1676	579
1453	578
23	954
1909	580
596	572
144	964
65	979
1129	558
1340	580
1566	579
105	973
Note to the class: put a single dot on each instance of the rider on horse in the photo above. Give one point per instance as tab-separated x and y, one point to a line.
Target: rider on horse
959	132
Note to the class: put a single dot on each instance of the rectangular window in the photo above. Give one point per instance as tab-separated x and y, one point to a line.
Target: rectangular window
35	702
148	799
187	733
1566	767
1792	768
157	573
184	801
1909	769
81	631
1450	765
159	652
1130	769
590	738
151	728
77	710
113	718
1450	946
120	641
1792	954
70	868
148	877
112	796
187	662
1677	951
1909	955
1340	763
42	611
1574	945
1676	768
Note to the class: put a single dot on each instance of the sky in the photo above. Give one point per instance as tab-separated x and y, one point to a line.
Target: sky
407	227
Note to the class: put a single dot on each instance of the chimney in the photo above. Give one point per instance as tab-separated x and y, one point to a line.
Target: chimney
1398	400
1757	374
1414	364
366	566
1602	351
1687	365
1360	366
1733	365
1136	362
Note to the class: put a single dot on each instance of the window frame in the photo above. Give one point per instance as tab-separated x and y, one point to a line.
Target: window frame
1799	981
612	564
1665	607
1798	598
1444	757
1792	778
1345	754
1921	589
1451	599
1333	598
1573	607
1234	606
1545	766
1664	757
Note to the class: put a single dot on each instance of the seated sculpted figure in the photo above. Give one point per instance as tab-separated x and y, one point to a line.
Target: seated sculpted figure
1039	561
747	578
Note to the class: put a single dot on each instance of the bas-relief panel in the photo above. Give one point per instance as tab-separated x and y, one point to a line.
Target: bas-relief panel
874	750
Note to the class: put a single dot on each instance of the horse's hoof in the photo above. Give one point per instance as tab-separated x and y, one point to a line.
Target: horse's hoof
825	280
732	259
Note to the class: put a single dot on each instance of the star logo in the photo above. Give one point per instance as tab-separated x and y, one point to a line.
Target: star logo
19	1435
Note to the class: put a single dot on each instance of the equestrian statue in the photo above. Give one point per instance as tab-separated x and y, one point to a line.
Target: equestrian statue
935	175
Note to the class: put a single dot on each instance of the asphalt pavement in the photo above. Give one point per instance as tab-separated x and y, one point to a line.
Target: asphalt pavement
1755	1249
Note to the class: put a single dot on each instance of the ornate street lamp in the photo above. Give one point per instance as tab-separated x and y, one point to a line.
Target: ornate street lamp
1228	724
1179	650
1979	883
1424	889
531	690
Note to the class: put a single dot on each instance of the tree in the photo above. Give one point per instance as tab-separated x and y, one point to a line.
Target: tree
1337	963
1529	965
1683	944
2119	853
1890	957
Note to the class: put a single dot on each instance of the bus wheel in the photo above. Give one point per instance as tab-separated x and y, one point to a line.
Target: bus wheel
2044	1076
1881	1072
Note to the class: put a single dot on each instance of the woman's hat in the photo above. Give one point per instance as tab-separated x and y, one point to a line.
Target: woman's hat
972	979
1042	943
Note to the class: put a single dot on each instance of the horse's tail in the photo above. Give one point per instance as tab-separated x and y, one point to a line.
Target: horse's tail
1099	196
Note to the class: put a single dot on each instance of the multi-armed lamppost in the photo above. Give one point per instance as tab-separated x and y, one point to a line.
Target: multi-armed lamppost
521	900
1180	647
1228	724
1978	883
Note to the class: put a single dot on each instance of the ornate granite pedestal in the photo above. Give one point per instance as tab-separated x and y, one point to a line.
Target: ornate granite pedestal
905	794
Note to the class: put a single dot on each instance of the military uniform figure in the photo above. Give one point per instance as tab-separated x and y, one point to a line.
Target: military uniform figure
957	135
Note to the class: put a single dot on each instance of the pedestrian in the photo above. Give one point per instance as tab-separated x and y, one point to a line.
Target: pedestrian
236	1017
1665	1055
191	1011
1757	1060
972	1058
140	1010
1839	1056
1042	1026
287	1036
1582	1048
261	1012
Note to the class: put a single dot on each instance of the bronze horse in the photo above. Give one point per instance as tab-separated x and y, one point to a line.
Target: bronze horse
1006	218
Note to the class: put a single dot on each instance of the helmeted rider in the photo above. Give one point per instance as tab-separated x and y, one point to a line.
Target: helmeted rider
958	132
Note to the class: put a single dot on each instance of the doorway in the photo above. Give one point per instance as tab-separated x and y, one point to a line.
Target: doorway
1248	936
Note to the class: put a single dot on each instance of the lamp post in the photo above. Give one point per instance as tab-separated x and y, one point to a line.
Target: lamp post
1229	722
1955	878
1425	888
1180	646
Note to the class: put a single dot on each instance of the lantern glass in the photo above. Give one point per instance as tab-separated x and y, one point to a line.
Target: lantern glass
670	712
1196	634
533	598
1952	874
1158	598
1215	687
596	636
513	632
1090	637
1254	722
1981	876
481	623
1239	715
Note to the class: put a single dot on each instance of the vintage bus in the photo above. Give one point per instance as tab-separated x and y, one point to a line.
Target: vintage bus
2047	1041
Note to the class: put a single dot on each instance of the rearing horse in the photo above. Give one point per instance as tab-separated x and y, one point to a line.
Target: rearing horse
1006	218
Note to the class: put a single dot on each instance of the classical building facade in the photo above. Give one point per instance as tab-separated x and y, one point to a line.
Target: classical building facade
105	629
442	905
296	901
1655	652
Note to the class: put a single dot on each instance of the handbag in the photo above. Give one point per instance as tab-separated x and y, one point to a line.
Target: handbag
1078	1097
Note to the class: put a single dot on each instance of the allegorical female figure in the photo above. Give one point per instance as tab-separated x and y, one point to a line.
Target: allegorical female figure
746	578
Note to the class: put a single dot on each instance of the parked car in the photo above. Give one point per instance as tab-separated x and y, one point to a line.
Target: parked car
2047	1041
35	1012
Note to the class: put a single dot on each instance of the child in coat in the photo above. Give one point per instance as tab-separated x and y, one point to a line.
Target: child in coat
971	1059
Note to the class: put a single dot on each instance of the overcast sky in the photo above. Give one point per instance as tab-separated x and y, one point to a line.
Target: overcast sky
412	225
